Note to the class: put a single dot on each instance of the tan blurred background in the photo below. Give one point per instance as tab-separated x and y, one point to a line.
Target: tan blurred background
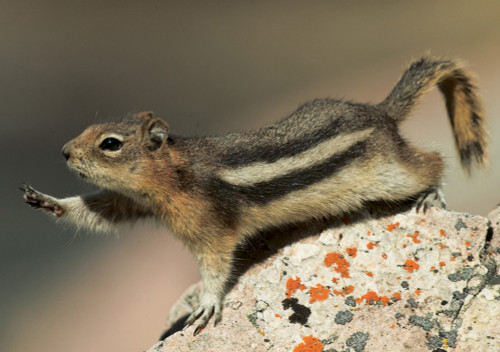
206	67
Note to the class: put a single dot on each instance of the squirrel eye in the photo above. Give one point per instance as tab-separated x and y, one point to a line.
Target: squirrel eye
111	144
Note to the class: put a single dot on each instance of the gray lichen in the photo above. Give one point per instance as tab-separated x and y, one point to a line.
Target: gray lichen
343	317
358	341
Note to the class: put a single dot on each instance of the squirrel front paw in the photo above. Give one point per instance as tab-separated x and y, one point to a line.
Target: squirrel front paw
39	200
209	306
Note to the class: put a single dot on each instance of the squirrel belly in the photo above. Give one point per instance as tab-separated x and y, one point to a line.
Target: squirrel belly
327	158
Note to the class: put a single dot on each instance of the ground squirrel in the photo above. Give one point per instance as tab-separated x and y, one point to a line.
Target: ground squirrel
327	158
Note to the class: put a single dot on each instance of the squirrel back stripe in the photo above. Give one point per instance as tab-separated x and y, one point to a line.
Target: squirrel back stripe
462	102
259	173
266	191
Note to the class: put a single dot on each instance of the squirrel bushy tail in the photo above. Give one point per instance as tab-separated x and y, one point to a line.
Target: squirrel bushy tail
462	102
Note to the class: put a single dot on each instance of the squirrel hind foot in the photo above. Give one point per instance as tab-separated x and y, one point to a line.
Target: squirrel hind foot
429	199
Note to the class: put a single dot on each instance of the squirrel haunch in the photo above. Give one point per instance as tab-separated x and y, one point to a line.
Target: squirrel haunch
327	158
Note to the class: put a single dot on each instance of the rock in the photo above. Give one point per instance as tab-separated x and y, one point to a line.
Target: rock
405	282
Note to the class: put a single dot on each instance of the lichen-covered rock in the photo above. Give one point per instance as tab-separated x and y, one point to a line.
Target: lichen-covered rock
407	282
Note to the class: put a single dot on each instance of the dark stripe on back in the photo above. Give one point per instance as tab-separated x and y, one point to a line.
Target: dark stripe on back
293	135
264	192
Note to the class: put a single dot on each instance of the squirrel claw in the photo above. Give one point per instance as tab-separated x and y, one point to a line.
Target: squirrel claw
39	200
204	313
433	198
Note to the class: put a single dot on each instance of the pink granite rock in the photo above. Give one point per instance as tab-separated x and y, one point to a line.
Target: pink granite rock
405	282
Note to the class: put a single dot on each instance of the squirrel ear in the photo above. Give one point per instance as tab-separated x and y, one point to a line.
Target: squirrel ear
144	116
155	131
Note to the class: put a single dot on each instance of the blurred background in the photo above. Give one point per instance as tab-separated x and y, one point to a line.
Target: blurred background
207	67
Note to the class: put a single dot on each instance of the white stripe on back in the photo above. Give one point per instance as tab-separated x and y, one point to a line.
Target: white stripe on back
262	171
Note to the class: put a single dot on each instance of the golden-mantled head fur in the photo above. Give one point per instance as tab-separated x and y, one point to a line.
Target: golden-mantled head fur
120	155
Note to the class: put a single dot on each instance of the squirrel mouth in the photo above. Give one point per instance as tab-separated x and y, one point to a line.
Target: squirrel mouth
82	175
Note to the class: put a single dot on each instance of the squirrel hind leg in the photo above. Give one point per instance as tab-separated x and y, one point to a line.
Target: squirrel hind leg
428	168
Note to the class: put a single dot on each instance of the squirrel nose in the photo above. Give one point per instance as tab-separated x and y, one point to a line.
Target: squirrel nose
65	152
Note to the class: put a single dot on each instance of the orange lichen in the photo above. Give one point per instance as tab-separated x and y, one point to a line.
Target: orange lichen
399	278
352	252
293	285
371	245
341	265
335	280
391	227
414	237
369	274
467	244
368	233
278	316
442	246
396	295
410	266
417	292
404	245
338	293
372	296
348	289
318	293
442	233
441	264
472	235
392	326
310	344
358	300
452	259
384	255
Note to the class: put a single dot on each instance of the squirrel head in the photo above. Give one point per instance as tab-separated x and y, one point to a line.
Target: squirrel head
121	155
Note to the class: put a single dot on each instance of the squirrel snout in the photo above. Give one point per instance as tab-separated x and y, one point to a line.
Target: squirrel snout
65	152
